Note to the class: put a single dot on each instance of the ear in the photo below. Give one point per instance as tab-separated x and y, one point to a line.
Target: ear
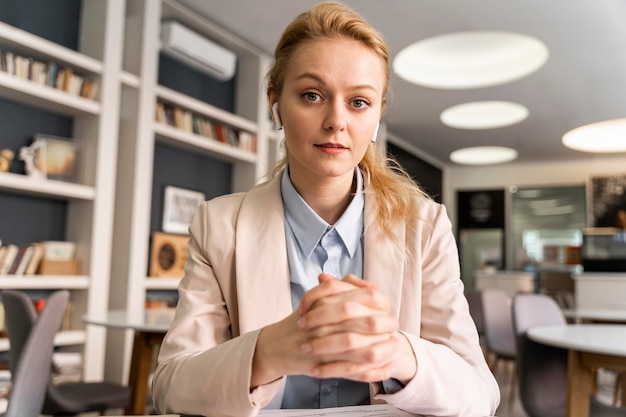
277	122
375	135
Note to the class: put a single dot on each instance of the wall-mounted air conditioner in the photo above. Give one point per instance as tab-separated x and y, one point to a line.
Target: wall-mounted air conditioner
195	50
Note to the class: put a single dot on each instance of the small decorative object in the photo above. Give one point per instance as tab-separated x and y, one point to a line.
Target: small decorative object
53	158
6	156
168	255
179	207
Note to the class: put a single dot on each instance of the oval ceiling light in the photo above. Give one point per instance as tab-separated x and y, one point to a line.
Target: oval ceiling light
484	115
466	60
483	155
601	137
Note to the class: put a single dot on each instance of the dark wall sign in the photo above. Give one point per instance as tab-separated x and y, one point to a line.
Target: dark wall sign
483	209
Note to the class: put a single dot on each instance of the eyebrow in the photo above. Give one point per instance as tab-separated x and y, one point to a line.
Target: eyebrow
312	76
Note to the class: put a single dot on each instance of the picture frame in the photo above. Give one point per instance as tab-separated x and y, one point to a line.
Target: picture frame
607	200
179	207
54	158
168	255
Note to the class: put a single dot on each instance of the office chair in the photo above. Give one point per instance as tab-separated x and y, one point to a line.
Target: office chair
475	303
542	369
499	336
30	364
65	399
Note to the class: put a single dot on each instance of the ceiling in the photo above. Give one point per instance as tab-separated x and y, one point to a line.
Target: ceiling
583	81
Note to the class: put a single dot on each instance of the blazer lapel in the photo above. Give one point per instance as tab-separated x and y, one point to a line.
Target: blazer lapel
261	258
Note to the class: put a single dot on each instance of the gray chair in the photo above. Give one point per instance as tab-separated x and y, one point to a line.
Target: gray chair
499	336
542	369
31	363
65	399
474	300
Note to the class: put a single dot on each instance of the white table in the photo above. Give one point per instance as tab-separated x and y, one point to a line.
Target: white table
150	327
614	315
590	346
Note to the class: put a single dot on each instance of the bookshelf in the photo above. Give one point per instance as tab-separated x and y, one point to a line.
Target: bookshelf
85	209
153	154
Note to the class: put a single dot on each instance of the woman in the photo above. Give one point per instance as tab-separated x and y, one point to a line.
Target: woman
272	310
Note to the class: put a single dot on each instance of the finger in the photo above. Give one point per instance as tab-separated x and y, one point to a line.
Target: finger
356	281
345	306
344	343
329	286
373	363
359	372
368	325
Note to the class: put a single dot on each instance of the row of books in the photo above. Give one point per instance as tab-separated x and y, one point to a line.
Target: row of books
189	121
50	74
28	259
20	260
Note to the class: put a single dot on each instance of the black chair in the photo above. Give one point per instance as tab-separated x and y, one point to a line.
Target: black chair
542	369
65	399
31	364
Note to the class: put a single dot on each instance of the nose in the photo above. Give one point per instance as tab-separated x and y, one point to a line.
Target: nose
335	118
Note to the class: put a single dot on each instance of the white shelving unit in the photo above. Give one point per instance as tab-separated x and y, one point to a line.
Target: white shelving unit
89	204
139	134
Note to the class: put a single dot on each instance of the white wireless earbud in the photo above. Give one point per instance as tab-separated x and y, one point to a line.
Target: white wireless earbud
375	136
277	122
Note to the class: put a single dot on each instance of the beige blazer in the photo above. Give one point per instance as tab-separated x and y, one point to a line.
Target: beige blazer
237	281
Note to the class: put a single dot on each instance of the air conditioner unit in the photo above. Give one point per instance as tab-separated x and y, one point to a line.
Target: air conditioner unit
195	50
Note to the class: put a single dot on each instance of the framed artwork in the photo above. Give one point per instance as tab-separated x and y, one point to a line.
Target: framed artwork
53	158
168	255
179	207
608	201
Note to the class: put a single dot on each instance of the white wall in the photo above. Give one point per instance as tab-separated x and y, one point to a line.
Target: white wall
457	178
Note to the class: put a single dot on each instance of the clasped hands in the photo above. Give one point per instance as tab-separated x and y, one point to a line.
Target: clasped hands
342	329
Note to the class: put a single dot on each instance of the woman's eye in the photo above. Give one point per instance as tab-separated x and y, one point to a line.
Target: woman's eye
359	104
310	96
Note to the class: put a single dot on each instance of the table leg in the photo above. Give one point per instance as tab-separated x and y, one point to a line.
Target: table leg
140	368
579	386
622	385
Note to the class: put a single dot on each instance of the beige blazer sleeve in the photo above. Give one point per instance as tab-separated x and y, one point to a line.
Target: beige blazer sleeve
236	281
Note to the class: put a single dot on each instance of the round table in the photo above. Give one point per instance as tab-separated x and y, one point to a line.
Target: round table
150	327
590	346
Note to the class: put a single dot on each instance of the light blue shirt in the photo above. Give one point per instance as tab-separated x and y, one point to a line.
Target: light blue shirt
313	247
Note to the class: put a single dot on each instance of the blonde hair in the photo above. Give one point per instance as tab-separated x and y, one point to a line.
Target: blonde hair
396	195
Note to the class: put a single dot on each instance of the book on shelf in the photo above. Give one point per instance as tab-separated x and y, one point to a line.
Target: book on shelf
35	260
220	133
22	260
195	123
8	258
46	258
49	74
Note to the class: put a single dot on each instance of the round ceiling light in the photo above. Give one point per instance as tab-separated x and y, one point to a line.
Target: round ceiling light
483	155
484	115
466	60
601	137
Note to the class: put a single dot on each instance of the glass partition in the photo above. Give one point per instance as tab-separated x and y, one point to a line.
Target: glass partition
546	227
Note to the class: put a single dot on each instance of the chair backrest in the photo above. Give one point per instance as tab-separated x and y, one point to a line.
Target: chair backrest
31	347
542	369
475	302
498	325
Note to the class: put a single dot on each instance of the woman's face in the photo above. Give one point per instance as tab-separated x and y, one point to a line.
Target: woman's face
330	105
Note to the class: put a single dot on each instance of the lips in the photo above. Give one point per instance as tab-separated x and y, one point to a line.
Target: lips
331	146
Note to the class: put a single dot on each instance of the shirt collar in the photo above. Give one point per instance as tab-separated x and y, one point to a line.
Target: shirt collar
308	228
